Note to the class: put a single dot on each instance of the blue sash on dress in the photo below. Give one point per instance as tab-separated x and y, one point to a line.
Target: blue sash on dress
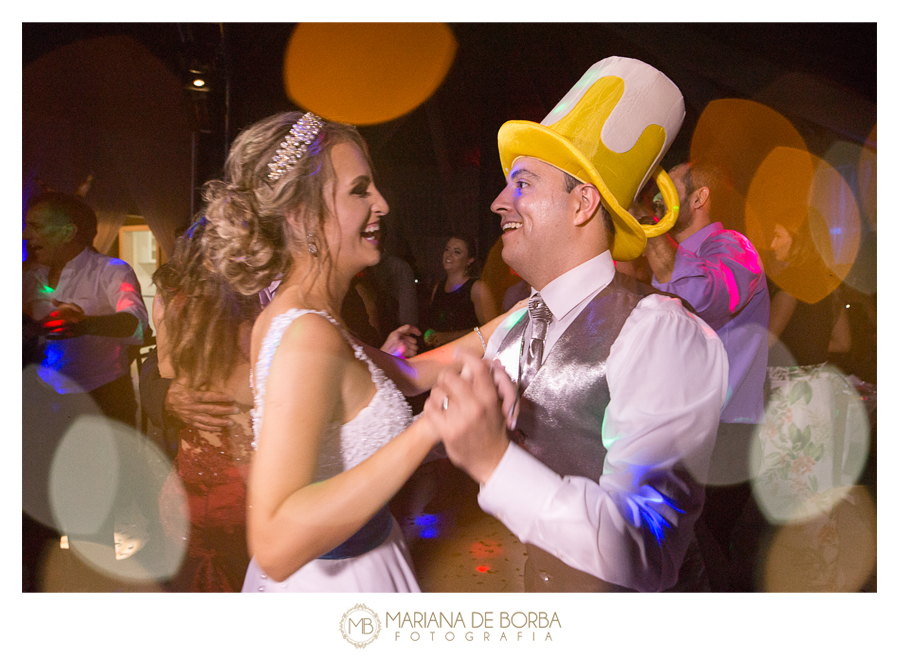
370	536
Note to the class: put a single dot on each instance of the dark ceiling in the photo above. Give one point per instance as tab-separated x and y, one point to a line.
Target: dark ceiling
707	60
505	71
845	53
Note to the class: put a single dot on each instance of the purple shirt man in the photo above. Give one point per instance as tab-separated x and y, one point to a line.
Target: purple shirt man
720	274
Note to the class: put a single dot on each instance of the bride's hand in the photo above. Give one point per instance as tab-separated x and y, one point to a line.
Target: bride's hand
469	408
507	391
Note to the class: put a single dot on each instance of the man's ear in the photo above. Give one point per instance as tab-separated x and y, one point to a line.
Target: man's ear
68	231
587	203
702	197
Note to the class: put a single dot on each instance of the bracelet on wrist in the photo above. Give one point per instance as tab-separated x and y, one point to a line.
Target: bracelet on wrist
481	338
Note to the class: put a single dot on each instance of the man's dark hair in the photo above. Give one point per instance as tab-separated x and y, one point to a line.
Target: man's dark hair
704	174
72	208
710	175
571	183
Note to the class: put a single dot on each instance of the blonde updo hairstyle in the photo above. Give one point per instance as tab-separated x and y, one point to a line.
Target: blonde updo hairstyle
250	240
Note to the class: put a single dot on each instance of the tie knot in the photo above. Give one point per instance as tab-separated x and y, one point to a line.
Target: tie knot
538	310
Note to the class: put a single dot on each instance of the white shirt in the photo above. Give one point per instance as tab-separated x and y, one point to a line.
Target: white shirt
668	376
100	285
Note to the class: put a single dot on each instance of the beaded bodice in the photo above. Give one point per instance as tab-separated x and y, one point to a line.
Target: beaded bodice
343	445
206	457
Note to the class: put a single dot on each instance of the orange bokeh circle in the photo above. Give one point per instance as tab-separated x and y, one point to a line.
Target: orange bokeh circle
366	73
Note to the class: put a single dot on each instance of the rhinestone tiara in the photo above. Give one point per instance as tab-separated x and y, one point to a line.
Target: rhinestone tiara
294	145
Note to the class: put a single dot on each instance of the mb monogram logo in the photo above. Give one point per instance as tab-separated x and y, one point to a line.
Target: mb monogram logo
360	626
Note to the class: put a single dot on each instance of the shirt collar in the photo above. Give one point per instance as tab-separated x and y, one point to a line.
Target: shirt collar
694	240
74	264
568	290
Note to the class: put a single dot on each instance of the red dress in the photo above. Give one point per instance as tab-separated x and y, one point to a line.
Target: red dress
203	507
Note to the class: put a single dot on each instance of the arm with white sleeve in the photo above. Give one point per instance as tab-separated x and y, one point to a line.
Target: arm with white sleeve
667	374
124	314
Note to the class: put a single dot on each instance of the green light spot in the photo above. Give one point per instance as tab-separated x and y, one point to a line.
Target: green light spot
515	317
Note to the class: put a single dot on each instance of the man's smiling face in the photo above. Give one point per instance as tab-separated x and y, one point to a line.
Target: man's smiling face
534	209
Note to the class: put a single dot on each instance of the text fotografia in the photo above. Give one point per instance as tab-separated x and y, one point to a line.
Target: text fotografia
479	626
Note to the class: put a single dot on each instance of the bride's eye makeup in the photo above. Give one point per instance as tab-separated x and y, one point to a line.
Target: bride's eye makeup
361	187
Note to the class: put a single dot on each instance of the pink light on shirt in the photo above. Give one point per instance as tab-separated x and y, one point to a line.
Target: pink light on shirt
125	302
734	295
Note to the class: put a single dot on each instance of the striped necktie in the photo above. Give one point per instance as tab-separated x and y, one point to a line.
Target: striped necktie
540	318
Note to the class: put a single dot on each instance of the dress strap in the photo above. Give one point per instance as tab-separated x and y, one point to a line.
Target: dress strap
267	352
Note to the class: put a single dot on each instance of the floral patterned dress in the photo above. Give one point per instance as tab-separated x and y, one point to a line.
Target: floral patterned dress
812	448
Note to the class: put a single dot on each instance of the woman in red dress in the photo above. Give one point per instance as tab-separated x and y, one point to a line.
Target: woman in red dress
203	334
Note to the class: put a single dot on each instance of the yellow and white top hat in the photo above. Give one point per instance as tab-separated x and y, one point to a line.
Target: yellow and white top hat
611	130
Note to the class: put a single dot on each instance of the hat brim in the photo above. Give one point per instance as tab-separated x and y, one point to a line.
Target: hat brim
529	139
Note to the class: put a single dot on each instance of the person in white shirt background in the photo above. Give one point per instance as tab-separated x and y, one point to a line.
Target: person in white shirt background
89	304
618	411
86	309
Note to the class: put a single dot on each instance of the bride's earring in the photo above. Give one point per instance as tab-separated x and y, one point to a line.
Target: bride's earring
311	244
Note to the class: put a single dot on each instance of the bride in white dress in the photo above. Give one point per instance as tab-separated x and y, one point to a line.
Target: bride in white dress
332	431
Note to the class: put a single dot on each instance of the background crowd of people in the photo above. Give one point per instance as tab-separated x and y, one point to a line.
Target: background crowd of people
195	384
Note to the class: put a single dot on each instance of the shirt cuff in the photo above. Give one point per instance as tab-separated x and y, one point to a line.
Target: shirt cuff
143	328
518	489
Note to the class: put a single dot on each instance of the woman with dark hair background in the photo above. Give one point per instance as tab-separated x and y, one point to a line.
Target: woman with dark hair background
806	322
459	301
813	440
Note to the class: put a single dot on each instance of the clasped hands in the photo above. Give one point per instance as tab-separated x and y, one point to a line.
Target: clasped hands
470	408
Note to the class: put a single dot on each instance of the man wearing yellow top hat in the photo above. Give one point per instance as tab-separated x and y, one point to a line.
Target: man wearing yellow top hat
620	386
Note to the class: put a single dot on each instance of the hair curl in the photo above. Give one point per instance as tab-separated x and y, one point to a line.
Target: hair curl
203	314
255	224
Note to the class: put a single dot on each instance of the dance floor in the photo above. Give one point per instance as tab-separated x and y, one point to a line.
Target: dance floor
454	545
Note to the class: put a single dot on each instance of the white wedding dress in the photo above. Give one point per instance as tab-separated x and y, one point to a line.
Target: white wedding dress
386	568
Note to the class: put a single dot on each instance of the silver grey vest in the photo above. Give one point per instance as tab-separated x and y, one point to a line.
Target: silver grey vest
561	418
561	412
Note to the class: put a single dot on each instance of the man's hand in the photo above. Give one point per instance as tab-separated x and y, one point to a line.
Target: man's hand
64	321
401	342
470	408
205	410
660	252
68	320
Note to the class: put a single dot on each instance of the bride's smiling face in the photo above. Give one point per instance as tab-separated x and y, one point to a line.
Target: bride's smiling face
356	207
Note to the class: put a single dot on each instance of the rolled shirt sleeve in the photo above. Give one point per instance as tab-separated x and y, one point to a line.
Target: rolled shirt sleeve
123	292
667	374
717	276
101	286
